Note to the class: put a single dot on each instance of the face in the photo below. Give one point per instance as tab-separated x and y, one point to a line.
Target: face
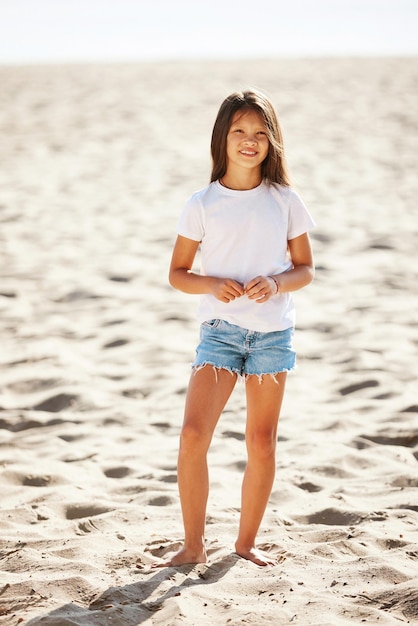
247	144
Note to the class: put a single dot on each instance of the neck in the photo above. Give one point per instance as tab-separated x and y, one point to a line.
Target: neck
242	182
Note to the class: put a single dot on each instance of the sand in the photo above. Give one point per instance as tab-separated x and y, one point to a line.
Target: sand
96	163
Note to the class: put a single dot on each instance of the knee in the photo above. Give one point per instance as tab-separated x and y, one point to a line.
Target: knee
262	444
193	439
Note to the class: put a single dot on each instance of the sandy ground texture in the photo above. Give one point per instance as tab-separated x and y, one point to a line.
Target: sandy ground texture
96	163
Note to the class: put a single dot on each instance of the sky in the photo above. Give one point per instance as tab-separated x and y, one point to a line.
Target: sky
60	31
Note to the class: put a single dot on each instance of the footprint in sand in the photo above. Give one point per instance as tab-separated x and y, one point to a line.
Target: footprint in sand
118	472
78	511
57	403
171	478
310	487
407	439
364	384
160	501
36	481
333	517
230	434
117	343
120	279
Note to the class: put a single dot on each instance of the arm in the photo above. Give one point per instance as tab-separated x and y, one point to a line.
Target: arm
181	276
302	273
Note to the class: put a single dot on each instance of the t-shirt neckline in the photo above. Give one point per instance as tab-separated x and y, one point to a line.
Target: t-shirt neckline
236	192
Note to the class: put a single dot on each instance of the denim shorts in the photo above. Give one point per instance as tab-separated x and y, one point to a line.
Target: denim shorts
244	352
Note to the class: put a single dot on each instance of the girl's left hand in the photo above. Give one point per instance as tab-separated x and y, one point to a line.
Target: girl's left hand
261	288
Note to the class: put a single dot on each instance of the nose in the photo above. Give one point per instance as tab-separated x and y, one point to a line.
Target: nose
250	138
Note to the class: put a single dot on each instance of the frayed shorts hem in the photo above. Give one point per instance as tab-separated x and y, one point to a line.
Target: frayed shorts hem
241	376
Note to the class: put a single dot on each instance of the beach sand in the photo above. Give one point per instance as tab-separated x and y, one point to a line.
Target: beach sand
96	164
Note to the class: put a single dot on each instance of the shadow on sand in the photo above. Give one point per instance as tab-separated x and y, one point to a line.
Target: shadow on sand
134	604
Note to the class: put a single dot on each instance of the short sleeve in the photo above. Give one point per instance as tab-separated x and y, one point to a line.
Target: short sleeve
191	221
300	220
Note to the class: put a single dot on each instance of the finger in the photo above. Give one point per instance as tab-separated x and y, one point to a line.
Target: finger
249	286
256	292
237	289
263	299
255	285
251	291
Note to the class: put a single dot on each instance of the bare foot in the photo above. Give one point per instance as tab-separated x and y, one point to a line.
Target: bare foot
258	556
184	557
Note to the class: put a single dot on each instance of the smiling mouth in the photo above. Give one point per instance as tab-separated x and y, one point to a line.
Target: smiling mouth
248	152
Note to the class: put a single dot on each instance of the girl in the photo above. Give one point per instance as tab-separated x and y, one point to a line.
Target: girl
252	229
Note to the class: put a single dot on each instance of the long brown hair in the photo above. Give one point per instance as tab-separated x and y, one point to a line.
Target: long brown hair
273	168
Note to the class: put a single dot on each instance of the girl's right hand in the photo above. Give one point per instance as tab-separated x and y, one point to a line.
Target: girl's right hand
227	289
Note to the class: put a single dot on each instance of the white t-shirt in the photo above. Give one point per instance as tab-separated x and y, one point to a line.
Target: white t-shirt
244	234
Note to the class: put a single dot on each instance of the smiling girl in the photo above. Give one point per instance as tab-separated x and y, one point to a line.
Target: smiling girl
252	230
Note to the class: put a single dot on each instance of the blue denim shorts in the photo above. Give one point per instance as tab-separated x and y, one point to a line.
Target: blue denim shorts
244	352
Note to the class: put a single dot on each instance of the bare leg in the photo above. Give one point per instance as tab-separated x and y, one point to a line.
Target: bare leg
207	395
264	402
